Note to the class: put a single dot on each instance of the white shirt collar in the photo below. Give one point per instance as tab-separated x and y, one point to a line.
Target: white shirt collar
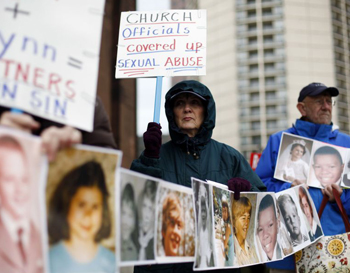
13	226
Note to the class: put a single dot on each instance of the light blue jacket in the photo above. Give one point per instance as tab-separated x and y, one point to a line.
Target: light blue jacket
331	220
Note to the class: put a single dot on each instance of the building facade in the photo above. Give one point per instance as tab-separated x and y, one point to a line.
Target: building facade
260	53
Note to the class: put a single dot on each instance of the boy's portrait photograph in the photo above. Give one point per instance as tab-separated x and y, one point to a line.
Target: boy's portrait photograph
327	165
293	160
80	198
21	241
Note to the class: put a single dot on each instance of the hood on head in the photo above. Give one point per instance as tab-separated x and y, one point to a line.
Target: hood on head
208	125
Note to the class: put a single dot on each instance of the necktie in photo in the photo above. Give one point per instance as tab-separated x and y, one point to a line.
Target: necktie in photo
21	245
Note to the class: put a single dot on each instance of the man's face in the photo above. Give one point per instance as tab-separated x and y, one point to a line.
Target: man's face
189	113
147	214
14	182
327	168
172	236
317	109
267	230
307	209
292	220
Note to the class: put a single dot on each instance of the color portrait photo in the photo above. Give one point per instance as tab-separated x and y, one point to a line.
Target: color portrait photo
327	165
293	160
80	199
243	215
21	242
137	218
175	224
223	229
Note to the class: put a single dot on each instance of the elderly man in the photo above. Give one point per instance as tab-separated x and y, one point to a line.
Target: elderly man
315	104
20	241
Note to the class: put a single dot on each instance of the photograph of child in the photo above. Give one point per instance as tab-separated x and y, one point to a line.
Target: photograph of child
80	205
175	223
204	242
309	211
267	227
327	165
293	158
243	211
20	215
290	209
224	245
137	218
346	172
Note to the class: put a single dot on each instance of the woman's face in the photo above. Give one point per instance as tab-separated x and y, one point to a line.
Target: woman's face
128	219
85	213
297	153
189	113
241	226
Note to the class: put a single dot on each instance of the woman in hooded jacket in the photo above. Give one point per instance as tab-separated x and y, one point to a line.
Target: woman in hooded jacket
191	152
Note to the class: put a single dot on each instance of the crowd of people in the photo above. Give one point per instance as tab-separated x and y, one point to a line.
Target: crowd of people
191	152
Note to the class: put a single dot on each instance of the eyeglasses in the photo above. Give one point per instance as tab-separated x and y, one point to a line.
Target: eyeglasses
320	102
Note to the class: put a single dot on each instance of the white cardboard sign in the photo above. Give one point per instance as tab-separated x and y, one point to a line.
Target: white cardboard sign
162	43
49	56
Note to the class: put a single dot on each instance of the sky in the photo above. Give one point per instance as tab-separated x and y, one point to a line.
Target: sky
146	87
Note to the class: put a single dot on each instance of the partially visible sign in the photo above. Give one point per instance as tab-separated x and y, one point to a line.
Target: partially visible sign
254	160
161	43
49	57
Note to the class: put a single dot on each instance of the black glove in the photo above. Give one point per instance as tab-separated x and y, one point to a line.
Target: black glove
237	185
152	139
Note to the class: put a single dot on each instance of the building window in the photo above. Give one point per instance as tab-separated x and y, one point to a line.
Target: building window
269	52
267	11
252	27
270	95
268	39
253	68
269	66
271	109
254	97
251	13
252	40
253	54
267	25
271	124
270	80
254	82
255	111
255	125
256	140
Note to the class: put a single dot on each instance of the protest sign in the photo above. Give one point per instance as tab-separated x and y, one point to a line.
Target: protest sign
162	43
49	57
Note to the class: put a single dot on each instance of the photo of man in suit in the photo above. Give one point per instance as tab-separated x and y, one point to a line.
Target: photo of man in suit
20	240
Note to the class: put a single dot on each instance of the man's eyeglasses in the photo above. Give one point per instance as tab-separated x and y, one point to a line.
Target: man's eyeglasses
320	102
